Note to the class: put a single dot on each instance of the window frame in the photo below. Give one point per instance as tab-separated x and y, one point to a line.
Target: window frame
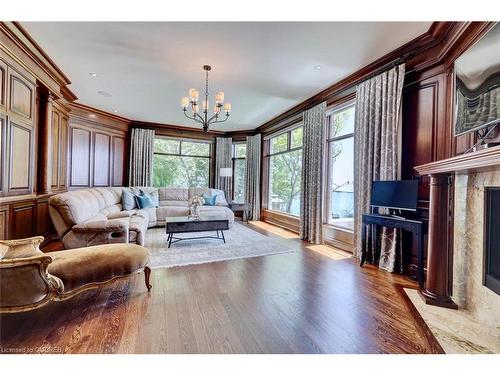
328	141
189	140
233	163
267	156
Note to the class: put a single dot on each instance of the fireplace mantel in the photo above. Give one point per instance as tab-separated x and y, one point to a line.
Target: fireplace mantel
471	162
439	251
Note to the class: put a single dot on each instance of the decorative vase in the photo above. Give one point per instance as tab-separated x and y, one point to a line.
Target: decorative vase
195	211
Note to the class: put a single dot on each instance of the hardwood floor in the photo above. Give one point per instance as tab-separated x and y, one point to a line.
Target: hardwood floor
315	300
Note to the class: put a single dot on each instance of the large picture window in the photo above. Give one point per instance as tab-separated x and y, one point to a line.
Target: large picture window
180	163
285	169
239	171
340	194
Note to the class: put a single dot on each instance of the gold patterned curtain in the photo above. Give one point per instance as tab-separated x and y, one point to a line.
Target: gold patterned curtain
376	137
311	206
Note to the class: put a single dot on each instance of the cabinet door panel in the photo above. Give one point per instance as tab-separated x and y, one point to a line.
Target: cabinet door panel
55	149
3	158
118	160
23	220
80	158
20	158
101	159
63	152
4	214
21	99
3	85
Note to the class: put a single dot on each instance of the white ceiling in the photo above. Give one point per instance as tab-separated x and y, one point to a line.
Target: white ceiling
263	68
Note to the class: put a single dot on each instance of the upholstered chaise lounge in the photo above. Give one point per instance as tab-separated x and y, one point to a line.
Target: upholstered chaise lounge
30	278
96	216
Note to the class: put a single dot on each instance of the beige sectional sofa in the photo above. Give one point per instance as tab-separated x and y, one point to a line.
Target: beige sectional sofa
95	216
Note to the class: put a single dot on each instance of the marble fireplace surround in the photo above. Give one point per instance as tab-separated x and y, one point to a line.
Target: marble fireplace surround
468	290
456	253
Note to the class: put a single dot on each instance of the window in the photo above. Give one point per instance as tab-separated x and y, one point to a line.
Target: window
285	169
179	163
239	171
340	141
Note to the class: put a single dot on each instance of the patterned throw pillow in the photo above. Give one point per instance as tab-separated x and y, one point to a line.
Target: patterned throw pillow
128	200
209	200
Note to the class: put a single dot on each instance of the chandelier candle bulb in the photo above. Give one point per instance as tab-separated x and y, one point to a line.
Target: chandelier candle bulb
195	108
227	107
185	102
219	97
205	105
191	93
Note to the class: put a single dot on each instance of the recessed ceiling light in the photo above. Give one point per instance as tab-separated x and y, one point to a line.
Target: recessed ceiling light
115	111
317	67
93	74
105	94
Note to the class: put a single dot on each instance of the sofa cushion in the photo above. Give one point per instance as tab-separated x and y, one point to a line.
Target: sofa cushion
79	267
173	194
174	203
224	212
170	211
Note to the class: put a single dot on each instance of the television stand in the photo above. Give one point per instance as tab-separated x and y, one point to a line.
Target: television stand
392	221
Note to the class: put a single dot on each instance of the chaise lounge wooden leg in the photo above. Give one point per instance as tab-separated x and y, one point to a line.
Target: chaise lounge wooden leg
147	273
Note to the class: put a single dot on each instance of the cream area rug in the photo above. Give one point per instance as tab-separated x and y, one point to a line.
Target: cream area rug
241	242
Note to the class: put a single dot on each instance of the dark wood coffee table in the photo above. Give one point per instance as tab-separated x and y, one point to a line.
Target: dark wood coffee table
206	223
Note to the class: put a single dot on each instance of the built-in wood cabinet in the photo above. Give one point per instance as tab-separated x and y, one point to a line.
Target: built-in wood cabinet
17	130
97	149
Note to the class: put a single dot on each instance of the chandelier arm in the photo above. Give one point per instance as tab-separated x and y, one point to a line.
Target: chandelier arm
192	118
215	122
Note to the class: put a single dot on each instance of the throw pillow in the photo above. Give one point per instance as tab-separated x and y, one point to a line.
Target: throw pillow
144	201
221	198
153	195
209	200
128	200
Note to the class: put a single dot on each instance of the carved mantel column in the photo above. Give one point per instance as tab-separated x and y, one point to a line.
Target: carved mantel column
46	148
437	287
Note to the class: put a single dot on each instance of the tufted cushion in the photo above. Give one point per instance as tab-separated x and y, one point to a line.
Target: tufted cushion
78	267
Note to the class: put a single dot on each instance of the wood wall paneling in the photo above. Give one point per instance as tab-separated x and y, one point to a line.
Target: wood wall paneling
119	163
80	157
102	151
56	150
20	165
21	95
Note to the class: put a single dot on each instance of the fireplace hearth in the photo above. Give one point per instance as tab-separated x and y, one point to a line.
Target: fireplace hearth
492	239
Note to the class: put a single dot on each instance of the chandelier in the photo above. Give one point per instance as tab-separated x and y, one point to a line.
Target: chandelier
192	100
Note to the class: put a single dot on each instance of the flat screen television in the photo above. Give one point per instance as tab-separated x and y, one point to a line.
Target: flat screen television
400	195
477	85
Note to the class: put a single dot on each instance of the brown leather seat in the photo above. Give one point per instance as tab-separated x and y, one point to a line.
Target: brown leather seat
79	267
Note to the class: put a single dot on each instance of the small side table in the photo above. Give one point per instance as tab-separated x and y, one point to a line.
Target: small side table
240	207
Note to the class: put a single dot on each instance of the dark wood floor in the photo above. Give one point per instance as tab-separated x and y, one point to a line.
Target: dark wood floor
310	301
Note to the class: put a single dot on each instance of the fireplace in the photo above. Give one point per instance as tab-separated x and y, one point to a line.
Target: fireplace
492	239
